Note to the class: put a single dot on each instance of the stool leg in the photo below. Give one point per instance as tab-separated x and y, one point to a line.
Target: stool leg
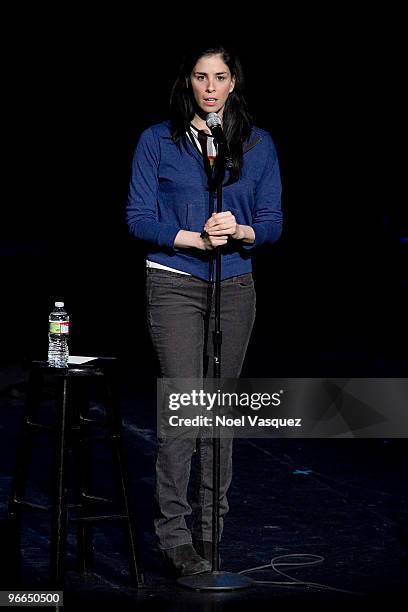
59	510
84	528
115	424
18	485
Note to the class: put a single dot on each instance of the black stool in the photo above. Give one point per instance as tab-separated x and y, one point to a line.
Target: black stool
73	427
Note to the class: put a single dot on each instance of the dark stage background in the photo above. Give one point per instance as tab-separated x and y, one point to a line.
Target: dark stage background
332	293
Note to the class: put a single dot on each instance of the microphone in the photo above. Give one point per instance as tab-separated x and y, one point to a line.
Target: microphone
213	121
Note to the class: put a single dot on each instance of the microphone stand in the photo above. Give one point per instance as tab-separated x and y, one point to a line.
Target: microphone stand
217	580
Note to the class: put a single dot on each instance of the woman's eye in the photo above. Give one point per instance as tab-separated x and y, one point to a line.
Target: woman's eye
221	78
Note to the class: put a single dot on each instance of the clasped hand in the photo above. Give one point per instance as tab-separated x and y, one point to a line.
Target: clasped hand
219	227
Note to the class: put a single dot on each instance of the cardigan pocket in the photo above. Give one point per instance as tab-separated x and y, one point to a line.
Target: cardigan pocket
172	211
196	217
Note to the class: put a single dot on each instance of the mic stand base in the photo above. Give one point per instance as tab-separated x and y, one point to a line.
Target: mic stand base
216	581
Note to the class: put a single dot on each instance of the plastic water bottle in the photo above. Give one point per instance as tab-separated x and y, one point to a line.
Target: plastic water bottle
58	337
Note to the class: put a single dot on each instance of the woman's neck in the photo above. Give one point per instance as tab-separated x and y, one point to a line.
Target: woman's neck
200	124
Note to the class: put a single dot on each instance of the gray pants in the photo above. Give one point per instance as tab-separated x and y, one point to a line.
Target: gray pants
176	315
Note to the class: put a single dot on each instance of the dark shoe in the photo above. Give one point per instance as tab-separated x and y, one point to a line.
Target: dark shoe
204	549
184	560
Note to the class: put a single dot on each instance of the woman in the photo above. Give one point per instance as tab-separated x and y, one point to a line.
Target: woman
171	207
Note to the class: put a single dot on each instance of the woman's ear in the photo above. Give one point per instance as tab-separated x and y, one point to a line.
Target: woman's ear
232	85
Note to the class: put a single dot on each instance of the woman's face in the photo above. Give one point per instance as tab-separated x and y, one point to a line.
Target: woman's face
212	83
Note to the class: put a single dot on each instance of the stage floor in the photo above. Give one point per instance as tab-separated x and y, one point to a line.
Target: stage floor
345	500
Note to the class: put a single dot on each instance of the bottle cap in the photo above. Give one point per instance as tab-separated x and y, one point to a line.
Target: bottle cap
59	304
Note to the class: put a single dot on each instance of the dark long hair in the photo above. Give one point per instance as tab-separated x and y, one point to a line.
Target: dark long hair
236	119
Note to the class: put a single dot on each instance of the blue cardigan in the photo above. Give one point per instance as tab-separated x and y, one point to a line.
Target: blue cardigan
169	192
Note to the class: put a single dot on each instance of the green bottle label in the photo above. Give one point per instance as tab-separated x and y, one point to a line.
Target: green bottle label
59	327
